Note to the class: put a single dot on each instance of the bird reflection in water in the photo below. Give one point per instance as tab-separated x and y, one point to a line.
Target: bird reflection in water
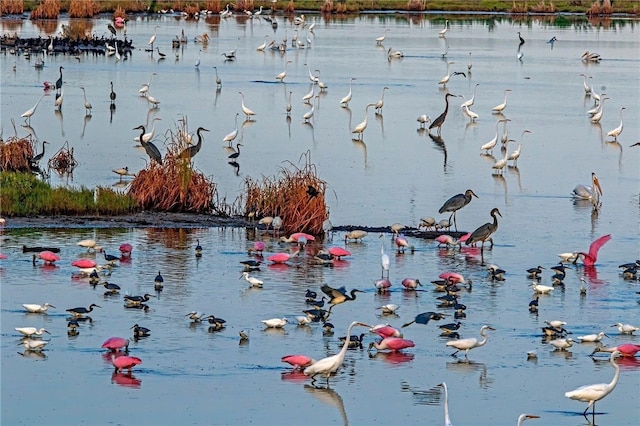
393	357
439	144
329	397
467	366
293	376
126	379
236	167
33	354
363	147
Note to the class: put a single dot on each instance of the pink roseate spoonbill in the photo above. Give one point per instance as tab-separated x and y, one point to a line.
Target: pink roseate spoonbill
425	317
338	296
385	330
80	311
455	203
49	257
468	344
453	277
589	259
298	362
484	232
446	240
393	344
383	285
331	364
258	247
31	331
593	393
626	349
294	238
356	234
125	249
402	243
37	309
115	344
626	328
84	263
3	256
124	361
281	257
339	252
411	283
523	417
90	245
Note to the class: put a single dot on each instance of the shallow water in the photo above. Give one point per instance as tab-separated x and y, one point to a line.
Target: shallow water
398	174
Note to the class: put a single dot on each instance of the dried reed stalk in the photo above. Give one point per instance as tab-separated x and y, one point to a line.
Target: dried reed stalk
48	9
83	8
63	161
16	155
11	7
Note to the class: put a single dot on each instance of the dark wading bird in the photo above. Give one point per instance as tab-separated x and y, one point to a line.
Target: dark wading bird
455	203
152	151
438	122
484	232
112	95
424	318
338	296
59	80
191	151
38	157
82	310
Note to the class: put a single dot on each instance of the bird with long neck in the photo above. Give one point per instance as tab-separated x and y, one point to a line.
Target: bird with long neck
593	393
447	420
191	151
484	232
438	122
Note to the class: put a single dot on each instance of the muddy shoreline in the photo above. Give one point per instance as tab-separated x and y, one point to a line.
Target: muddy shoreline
148	219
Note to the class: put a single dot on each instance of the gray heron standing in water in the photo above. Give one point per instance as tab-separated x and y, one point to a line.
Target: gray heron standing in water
484	232
455	203
439	121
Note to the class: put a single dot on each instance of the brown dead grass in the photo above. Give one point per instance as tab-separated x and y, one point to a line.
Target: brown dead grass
542	7
47	9
519	8
327	7
290	8
11	7
119	13
214	6
78	29
242	5
63	161
415	5
600	8
83	8
16	155
287	195
174	186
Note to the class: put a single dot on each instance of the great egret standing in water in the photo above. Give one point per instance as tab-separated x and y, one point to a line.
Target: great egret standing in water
593	393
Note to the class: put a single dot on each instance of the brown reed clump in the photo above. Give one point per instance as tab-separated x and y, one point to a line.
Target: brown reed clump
11	7
341	7
119	13
174	186
47	9
600	7
16	155
63	161
83	8
242	5
191	10
214	6
416	5
78	29
290	8
327	7
296	194
519	8
542	7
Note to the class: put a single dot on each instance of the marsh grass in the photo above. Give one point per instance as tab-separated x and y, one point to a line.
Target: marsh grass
47	9
288	195
23	194
16	154
83	8
11	7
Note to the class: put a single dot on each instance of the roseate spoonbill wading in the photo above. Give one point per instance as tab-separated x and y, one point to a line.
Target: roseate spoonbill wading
385	330
298	362
468	344
593	393
455	203
626	349
331	364
589	259
37	309
393	344
114	344
484	232
124	362
411	283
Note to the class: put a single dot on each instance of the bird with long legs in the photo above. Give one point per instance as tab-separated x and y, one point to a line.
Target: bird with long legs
280	77
59	80
488	147
616	132
589	259
455	203
152	39
28	113
329	365
247	111
473	116
384	260
469	102
152	151
380	39
191	151
378	105
236	154
80	311
444	80
470	343
443	32
521	39
112	94
516	153
359	129
591	193
231	136
34	308
87	105
439	121
484	232
499	109
218	80
148	136
344	102
598	115
35	160
593	393
289	107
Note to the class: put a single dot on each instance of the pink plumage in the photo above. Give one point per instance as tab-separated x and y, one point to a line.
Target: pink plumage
124	361
385	331
591	257
297	361
339	252
114	344
410	283
393	344
383	285
84	263
453	277
126	249
49	256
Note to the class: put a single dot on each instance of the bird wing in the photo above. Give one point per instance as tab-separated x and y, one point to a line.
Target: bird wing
331	292
597	244
587	391
463	343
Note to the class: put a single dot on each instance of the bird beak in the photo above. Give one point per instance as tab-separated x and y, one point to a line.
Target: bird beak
490	328
364	325
474	194
530	416
596	184
51	306
46	331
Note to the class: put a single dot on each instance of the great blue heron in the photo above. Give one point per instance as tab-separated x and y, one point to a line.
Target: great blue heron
439	121
38	157
484	232
152	151
455	203
191	151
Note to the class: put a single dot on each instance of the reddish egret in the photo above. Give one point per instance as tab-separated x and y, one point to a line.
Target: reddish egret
331	364
124	361
468	344
455	203
484	232
298	361
80	311
31	331
37	309
393	344
344	102
593	393
589	259
626	328
439	121
114	344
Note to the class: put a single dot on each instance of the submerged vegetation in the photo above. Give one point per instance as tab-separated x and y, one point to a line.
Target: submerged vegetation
50	9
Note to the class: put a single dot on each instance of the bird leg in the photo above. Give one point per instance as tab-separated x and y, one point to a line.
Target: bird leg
454	354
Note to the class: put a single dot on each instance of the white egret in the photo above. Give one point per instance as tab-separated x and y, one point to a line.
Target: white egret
87	105
442	32
153	37
598	115
28	113
289	107
616	132
247	112
423	120
380	39
309	114
468	344
60	99
500	164
218	81
447	420
446	78
323	87
147	137
275	322
541	289
306	98
344	102
37	309
263	45
587	89
498	109
593	393
516	153
384	260
472	115
231	136
561	344
153	101
312	78
556	324
253	281
469	65
380	103
470	101
31	331
626	328
283	74
197	64
313	24
145	87
331	364
592	337
359	129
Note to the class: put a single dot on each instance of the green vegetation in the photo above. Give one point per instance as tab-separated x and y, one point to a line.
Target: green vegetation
22	194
